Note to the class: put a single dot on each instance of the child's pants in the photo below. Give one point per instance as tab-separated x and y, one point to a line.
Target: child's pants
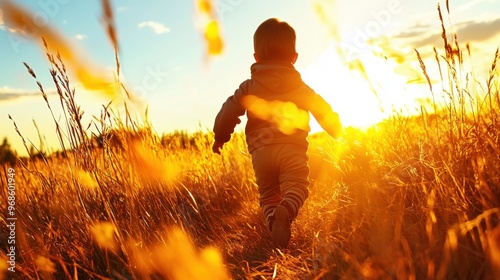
282	175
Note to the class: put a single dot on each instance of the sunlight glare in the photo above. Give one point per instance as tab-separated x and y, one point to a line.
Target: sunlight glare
363	91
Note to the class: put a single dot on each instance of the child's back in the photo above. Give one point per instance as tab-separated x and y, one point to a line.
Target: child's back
277	103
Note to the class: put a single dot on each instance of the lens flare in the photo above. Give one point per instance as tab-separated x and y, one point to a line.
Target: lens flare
44	264
104	235
286	116
178	258
209	26
148	166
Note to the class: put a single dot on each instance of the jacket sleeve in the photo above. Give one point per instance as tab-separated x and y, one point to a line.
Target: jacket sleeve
228	116
323	113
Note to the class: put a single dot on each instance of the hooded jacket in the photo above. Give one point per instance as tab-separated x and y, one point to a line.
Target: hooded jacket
277	103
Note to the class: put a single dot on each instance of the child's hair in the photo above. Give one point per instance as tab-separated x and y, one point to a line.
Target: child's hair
274	40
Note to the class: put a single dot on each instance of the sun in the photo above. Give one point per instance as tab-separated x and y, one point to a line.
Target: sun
363	91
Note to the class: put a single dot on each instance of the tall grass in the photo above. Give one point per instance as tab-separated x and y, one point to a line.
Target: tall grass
411	198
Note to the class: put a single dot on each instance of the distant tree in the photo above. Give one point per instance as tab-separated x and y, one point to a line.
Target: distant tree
7	155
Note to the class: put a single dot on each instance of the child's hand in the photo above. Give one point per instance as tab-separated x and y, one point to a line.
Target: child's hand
217	147
332	125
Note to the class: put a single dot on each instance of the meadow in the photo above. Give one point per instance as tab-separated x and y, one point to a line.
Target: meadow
413	197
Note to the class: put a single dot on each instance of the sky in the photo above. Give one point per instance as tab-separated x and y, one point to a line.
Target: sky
164	61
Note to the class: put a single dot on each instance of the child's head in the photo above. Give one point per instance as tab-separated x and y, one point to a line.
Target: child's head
274	40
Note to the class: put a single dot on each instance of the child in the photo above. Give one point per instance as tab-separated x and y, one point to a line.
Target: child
277	103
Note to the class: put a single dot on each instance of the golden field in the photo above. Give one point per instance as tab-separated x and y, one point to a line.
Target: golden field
413	197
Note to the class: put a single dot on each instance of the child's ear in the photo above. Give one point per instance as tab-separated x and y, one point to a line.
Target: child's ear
257	59
294	58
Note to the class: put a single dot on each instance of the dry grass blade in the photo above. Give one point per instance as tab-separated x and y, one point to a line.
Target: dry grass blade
92	76
393	202
109	25
424	70
444	36
32	73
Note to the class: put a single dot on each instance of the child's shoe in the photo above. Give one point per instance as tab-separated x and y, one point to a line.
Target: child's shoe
281	231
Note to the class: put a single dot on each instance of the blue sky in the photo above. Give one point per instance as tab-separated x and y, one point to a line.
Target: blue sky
164	61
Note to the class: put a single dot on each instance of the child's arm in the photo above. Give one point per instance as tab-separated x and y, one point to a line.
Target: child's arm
330	122
227	119
326	117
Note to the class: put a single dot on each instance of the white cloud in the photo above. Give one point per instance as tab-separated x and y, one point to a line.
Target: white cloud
157	27
80	36
469	31
2	24
8	93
